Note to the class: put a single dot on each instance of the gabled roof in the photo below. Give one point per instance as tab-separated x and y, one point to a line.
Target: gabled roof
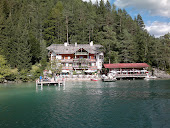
126	65
71	48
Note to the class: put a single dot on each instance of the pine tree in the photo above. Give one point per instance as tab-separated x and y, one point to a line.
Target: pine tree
54	24
109	42
140	22
140	46
127	48
23	52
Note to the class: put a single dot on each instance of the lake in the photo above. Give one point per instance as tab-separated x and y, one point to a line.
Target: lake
120	104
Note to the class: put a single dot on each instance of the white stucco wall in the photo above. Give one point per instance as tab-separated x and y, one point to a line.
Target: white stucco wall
99	62
57	56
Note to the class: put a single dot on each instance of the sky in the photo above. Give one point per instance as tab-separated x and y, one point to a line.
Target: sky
155	13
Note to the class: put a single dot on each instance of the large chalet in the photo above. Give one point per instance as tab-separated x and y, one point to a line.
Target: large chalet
73	57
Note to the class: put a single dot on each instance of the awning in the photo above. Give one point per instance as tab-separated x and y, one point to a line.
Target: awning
65	71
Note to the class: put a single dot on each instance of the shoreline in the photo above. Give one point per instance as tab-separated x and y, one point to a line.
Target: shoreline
160	75
79	79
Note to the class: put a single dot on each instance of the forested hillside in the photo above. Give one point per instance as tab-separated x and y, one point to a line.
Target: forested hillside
27	27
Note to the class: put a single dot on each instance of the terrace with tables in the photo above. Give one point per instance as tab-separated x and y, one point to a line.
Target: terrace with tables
128	70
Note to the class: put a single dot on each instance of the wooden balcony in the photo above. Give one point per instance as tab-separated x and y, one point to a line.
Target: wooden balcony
84	60
81	67
81	53
77	60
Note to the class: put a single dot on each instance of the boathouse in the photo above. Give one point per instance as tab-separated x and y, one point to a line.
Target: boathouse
128	70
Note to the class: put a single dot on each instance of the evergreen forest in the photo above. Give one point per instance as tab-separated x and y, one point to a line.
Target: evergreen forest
27	27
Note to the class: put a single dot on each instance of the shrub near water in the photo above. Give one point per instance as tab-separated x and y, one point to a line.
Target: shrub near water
4	69
35	72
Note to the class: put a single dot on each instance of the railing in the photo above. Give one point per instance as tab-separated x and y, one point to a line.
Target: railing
81	67
84	59
81	76
78	60
81	53
131	75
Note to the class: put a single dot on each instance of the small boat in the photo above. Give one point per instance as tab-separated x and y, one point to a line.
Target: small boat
94	79
150	78
108	80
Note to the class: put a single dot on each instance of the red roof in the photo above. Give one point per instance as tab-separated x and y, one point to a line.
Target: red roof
126	65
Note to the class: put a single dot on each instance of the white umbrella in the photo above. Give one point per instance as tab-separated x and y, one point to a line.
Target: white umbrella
50	72
89	71
65	71
143	70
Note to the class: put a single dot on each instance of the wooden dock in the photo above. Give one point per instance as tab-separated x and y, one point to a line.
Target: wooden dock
59	82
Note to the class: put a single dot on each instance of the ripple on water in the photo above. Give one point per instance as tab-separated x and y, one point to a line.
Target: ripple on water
117	104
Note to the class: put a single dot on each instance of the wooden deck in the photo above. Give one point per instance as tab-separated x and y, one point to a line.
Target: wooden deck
59	82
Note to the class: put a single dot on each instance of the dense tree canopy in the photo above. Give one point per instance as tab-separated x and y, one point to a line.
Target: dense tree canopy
28	27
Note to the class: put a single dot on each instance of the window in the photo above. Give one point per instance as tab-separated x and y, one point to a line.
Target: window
66	64
92	64
70	65
100	57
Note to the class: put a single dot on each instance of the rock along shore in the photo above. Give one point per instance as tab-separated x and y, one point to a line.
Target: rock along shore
161	74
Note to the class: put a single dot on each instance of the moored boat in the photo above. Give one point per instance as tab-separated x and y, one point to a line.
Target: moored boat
94	79
108	80
150	78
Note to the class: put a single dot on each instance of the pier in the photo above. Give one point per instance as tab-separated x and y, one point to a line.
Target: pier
55	82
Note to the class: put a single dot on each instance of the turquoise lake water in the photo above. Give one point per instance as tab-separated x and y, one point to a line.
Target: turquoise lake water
120	104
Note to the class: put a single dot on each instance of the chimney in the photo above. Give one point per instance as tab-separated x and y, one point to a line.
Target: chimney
65	44
75	44
91	43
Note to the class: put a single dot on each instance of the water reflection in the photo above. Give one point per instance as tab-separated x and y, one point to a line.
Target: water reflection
117	104
119	89
48	87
